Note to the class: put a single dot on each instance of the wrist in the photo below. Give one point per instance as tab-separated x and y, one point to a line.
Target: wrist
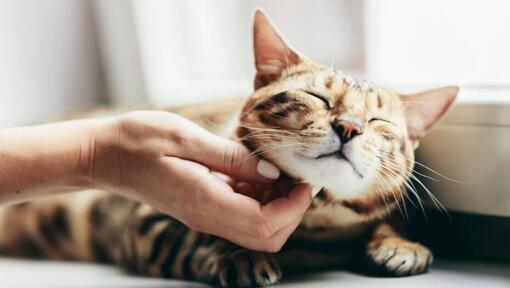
96	161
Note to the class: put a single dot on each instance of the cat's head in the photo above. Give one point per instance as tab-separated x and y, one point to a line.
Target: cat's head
322	127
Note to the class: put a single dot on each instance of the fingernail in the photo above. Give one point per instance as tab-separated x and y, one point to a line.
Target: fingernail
268	170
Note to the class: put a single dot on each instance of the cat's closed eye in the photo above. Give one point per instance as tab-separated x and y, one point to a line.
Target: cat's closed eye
320	97
380	119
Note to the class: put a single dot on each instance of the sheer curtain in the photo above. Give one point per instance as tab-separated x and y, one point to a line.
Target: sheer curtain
49	60
198	49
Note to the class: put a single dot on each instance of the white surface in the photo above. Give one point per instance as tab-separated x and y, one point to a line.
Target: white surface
27	273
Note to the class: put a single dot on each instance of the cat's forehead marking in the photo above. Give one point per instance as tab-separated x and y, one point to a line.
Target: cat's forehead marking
375	96
361	85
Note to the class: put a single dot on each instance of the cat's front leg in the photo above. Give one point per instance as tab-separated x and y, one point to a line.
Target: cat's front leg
390	254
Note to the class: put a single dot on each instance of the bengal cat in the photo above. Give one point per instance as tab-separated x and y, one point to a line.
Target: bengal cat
319	126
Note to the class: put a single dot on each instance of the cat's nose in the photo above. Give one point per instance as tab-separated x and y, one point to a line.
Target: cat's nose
346	129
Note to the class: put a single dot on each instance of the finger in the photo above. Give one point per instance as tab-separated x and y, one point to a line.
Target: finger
285	210
228	157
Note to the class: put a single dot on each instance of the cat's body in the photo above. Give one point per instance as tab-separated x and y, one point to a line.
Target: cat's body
318	126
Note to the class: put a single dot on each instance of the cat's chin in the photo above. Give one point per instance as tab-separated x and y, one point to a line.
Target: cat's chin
334	173
338	155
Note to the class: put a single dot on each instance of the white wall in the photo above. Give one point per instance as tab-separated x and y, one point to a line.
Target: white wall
198	49
49	62
456	41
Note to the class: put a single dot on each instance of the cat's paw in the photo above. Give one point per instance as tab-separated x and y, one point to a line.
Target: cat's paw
395	256
244	268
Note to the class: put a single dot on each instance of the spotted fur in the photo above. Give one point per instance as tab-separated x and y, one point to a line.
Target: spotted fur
352	138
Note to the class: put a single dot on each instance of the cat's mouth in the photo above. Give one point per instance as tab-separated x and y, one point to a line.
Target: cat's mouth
339	154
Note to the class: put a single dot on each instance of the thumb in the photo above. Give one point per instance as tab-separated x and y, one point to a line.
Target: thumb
232	158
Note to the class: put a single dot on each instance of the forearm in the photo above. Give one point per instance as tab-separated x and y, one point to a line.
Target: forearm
45	159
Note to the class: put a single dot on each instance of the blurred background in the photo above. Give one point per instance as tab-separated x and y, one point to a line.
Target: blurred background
62	56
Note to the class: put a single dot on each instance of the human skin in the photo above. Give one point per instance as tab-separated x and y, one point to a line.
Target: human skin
160	159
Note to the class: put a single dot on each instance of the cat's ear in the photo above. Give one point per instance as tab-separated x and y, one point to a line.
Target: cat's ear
423	109
272	54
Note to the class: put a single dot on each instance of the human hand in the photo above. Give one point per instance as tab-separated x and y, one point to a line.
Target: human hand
169	163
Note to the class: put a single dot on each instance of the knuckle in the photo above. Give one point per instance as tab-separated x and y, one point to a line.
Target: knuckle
181	137
263	229
131	121
133	130
126	124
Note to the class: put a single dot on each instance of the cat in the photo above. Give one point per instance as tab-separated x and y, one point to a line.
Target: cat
318	126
